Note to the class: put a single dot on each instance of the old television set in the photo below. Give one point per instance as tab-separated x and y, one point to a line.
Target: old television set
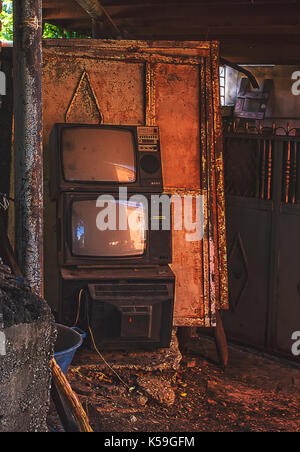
124	308
89	157
111	231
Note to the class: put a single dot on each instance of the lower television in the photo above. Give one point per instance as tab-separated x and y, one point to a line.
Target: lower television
108	230
123	308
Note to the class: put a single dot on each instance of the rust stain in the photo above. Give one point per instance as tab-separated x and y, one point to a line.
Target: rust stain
173	85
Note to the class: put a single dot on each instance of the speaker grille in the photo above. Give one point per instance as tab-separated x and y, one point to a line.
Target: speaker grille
150	164
105	291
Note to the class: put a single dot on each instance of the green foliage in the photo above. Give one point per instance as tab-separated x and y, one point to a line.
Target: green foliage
50	31
6	17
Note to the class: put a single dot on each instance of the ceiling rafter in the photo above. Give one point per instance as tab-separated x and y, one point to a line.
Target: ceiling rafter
98	13
248	30
202	3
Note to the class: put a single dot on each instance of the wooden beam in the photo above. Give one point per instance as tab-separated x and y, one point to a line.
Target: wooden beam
202	3
99	14
249	52
193	32
55	4
81	25
205	13
63	13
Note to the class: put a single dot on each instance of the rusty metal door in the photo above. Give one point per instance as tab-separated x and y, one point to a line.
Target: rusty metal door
262	180
172	85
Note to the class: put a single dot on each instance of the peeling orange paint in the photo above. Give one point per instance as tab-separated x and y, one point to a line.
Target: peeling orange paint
173	85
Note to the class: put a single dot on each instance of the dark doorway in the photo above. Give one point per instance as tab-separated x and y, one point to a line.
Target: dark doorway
262	183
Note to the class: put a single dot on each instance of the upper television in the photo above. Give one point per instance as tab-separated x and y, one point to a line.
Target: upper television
89	157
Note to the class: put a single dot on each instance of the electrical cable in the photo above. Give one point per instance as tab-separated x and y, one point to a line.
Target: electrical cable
81	293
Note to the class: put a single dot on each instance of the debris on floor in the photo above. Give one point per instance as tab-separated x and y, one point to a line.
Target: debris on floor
158	389
254	394
147	361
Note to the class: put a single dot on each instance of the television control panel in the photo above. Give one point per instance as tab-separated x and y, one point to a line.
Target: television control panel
148	139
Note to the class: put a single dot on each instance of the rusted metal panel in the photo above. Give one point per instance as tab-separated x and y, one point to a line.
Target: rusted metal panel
28	139
173	85
191	302
177	113
110	81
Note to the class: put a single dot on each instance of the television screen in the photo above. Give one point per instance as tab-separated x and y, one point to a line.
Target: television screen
95	236
98	155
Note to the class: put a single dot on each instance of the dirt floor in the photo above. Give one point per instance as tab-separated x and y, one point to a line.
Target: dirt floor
254	394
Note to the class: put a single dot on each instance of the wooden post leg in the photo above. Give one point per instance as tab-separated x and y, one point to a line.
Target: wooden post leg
221	341
185	335
66	419
68	403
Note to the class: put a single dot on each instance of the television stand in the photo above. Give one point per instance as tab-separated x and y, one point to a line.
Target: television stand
126	308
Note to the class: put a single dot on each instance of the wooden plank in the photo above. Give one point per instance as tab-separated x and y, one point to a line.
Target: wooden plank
65	13
203	3
98	13
48	4
80	25
208	14
251	52
178	30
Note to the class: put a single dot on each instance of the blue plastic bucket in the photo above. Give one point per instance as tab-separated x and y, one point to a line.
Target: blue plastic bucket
67	342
